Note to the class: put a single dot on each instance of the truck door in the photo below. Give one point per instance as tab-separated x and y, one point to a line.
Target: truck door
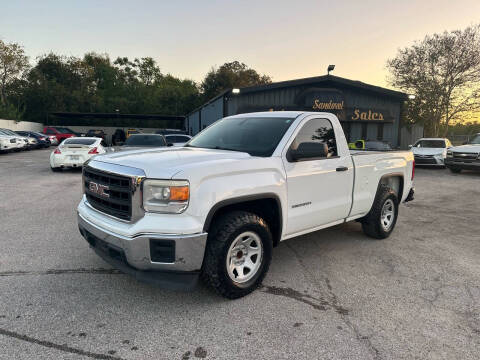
319	178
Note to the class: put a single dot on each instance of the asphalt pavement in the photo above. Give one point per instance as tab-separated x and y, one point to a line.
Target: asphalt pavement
333	294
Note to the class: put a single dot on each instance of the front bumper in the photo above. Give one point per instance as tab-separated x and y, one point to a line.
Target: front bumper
66	161
429	160
178	258
459	164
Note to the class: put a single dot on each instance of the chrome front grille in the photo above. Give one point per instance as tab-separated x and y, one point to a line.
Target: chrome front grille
115	198
459	156
114	189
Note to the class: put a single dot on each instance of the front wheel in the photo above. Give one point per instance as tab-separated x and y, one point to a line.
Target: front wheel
238	254
380	221
455	170
55	169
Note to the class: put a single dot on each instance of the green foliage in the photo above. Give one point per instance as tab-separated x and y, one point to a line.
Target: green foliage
467	128
443	72
95	84
13	63
231	75
10	112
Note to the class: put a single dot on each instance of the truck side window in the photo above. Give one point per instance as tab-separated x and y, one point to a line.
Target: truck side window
50	132
318	131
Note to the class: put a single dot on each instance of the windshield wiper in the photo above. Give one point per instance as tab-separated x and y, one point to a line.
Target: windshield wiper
213	148
224	148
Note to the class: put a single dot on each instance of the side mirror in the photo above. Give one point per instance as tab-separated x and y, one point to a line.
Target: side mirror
169	144
309	150
410	146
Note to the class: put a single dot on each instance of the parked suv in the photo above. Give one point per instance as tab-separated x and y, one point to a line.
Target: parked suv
464	157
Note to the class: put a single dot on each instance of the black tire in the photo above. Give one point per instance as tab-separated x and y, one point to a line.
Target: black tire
455	170
55	169
372	223
221	236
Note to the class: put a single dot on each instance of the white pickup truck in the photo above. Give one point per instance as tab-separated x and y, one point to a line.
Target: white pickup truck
217	207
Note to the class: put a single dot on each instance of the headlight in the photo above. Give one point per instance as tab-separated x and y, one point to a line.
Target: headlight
166	196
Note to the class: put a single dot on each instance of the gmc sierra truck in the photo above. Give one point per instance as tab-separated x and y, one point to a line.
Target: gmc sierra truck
217	207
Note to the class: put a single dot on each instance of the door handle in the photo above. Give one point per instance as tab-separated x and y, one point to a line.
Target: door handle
342	168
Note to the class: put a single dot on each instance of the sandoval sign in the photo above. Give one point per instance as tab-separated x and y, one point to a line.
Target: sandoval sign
318	104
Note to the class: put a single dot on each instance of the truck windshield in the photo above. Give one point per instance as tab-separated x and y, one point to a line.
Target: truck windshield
430	144
257	136
475	140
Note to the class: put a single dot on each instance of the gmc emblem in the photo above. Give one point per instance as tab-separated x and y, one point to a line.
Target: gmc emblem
98	189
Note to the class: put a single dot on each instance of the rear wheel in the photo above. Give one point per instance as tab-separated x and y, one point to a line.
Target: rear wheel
238	254
380	221
55	169
455	170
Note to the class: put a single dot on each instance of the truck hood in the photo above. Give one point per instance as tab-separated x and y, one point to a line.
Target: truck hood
427	151
164	163
466	148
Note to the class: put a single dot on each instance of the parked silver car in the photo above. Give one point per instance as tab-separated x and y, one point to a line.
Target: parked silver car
431	151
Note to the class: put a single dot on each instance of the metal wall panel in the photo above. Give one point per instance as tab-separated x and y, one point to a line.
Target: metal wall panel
355	132
284	99
371	132
193	120
211	113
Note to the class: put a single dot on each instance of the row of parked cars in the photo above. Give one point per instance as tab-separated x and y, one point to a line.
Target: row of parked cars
434	152
74	151
441	152
24	140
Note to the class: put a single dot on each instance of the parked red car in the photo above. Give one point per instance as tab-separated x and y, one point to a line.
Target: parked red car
60	133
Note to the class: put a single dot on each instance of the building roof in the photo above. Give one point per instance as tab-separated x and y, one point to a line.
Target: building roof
311	80
325	78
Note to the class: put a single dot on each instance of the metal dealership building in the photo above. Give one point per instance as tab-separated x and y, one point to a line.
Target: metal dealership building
365	111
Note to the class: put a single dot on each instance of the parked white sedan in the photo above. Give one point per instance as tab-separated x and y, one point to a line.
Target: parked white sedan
74	151
431	151
21	142
7	143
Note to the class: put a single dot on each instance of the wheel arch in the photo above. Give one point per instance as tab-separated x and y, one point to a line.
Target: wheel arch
266	205
395	181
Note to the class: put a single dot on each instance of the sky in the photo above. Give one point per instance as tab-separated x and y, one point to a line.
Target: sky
283	39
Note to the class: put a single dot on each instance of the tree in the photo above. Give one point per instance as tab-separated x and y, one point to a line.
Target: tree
231	75
13	63
443	72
